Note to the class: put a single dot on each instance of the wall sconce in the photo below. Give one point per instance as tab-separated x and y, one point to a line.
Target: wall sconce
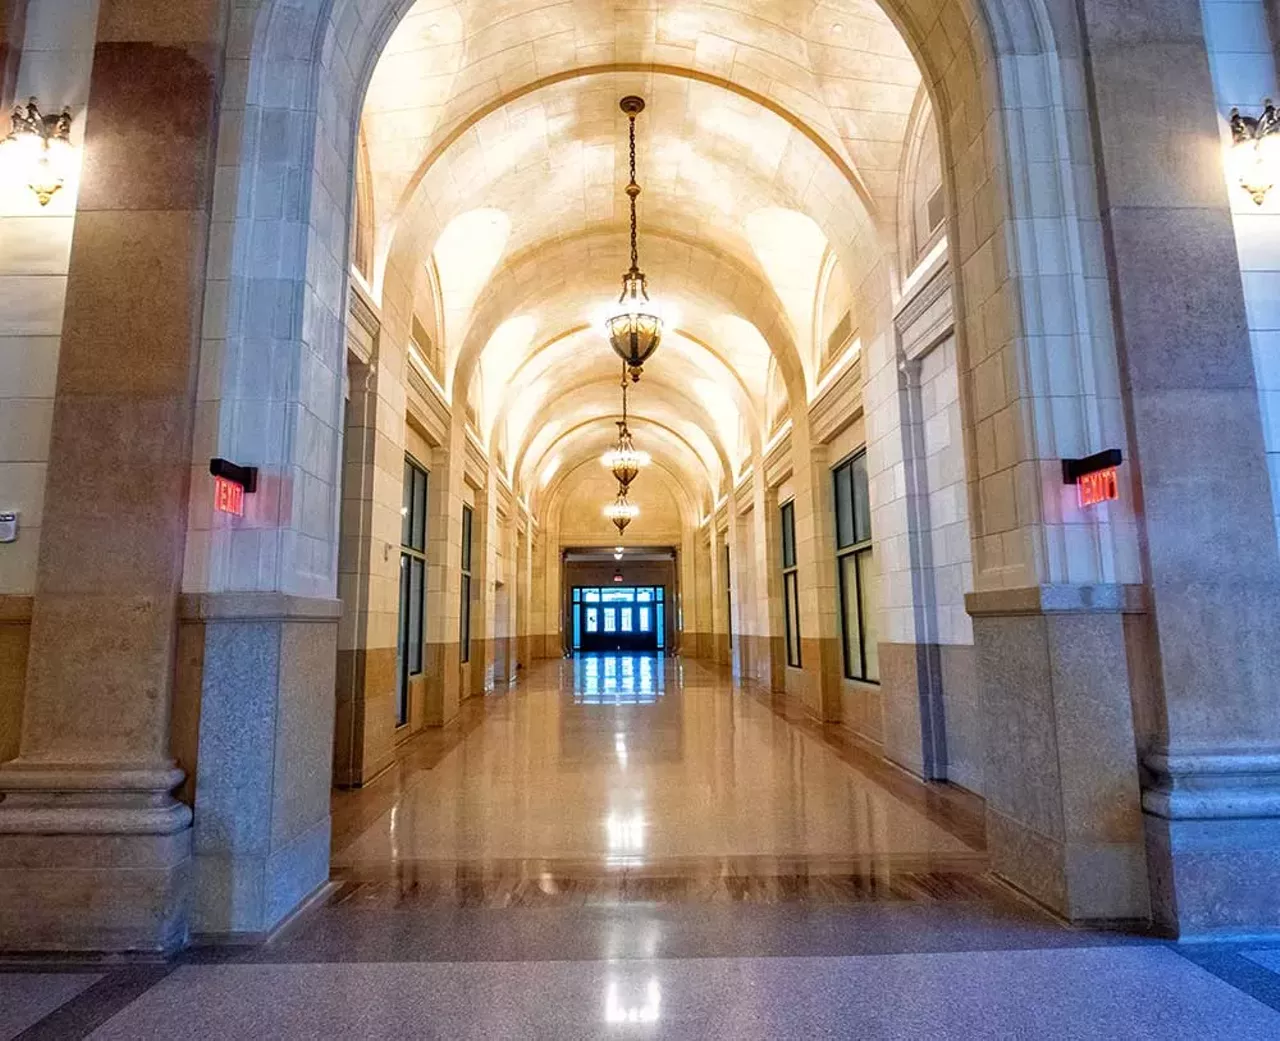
1255	150
40	147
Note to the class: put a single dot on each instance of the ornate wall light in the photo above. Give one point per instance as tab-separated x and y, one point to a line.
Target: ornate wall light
621	512
1255	150
624	460
636	330
39	147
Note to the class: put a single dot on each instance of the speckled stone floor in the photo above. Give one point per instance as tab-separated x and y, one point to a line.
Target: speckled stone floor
640	850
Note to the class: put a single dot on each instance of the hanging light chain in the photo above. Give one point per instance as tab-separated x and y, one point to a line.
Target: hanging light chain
624	396
633	190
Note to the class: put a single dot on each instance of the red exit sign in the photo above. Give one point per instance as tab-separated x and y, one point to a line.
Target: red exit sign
1099	486
228	497
1095	477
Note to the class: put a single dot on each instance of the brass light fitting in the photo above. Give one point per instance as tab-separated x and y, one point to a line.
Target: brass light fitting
41	147
624	460
1255	150
635	331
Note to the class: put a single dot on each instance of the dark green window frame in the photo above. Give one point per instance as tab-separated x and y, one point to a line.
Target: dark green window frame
464	617
858	584
413	582
790	583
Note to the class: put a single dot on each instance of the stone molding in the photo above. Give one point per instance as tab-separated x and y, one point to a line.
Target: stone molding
1058	599
425	403
1218	785
927	316
15	608
64	799
777	465
837	405
237	606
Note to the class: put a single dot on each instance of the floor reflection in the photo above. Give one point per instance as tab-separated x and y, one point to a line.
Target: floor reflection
624	1005
618	679
630	762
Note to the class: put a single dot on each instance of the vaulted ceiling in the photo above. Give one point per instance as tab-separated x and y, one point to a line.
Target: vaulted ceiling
769	155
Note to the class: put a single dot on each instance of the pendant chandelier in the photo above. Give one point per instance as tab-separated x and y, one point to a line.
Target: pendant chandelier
624	459
621	512
635	331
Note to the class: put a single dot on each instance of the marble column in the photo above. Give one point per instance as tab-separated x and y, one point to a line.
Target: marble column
815	558
686	641
484	551
716	576
95	853
1061	789
911	673
444	583
524	588
368	564
770	639
1211	730
743	610
537	596
12	19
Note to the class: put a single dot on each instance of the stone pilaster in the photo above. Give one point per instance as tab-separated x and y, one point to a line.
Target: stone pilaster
716	577
368	578
769	641
815	557
254	731
911	673
12	21
91	784
1212	731
1061	784
441	666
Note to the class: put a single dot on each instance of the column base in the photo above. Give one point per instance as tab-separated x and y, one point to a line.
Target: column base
1213	840
262	757
1060	771
93	859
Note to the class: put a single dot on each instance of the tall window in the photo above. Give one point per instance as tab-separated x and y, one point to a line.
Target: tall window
859	583
790	595
464	625
413	568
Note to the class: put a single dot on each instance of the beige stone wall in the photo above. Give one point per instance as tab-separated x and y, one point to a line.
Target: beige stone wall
51	61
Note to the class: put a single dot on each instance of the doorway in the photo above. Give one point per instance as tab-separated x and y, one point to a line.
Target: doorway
618	618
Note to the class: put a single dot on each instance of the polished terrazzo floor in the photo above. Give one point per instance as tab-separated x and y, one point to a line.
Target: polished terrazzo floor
632	847
631	768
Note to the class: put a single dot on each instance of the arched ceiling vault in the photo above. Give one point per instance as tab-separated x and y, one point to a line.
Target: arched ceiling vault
668	477
573	359
573	281
558	450
666	404
771	141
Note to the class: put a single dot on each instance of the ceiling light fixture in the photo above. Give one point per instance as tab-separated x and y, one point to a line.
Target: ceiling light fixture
1255	150
621	512
624	460
636	331
40	146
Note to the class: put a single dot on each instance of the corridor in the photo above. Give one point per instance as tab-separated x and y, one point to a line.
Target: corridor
643	763
636	847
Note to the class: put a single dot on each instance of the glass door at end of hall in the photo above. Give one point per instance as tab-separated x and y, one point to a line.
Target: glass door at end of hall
618	618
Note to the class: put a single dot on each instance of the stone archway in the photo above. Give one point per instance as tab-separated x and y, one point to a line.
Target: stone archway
1038	365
